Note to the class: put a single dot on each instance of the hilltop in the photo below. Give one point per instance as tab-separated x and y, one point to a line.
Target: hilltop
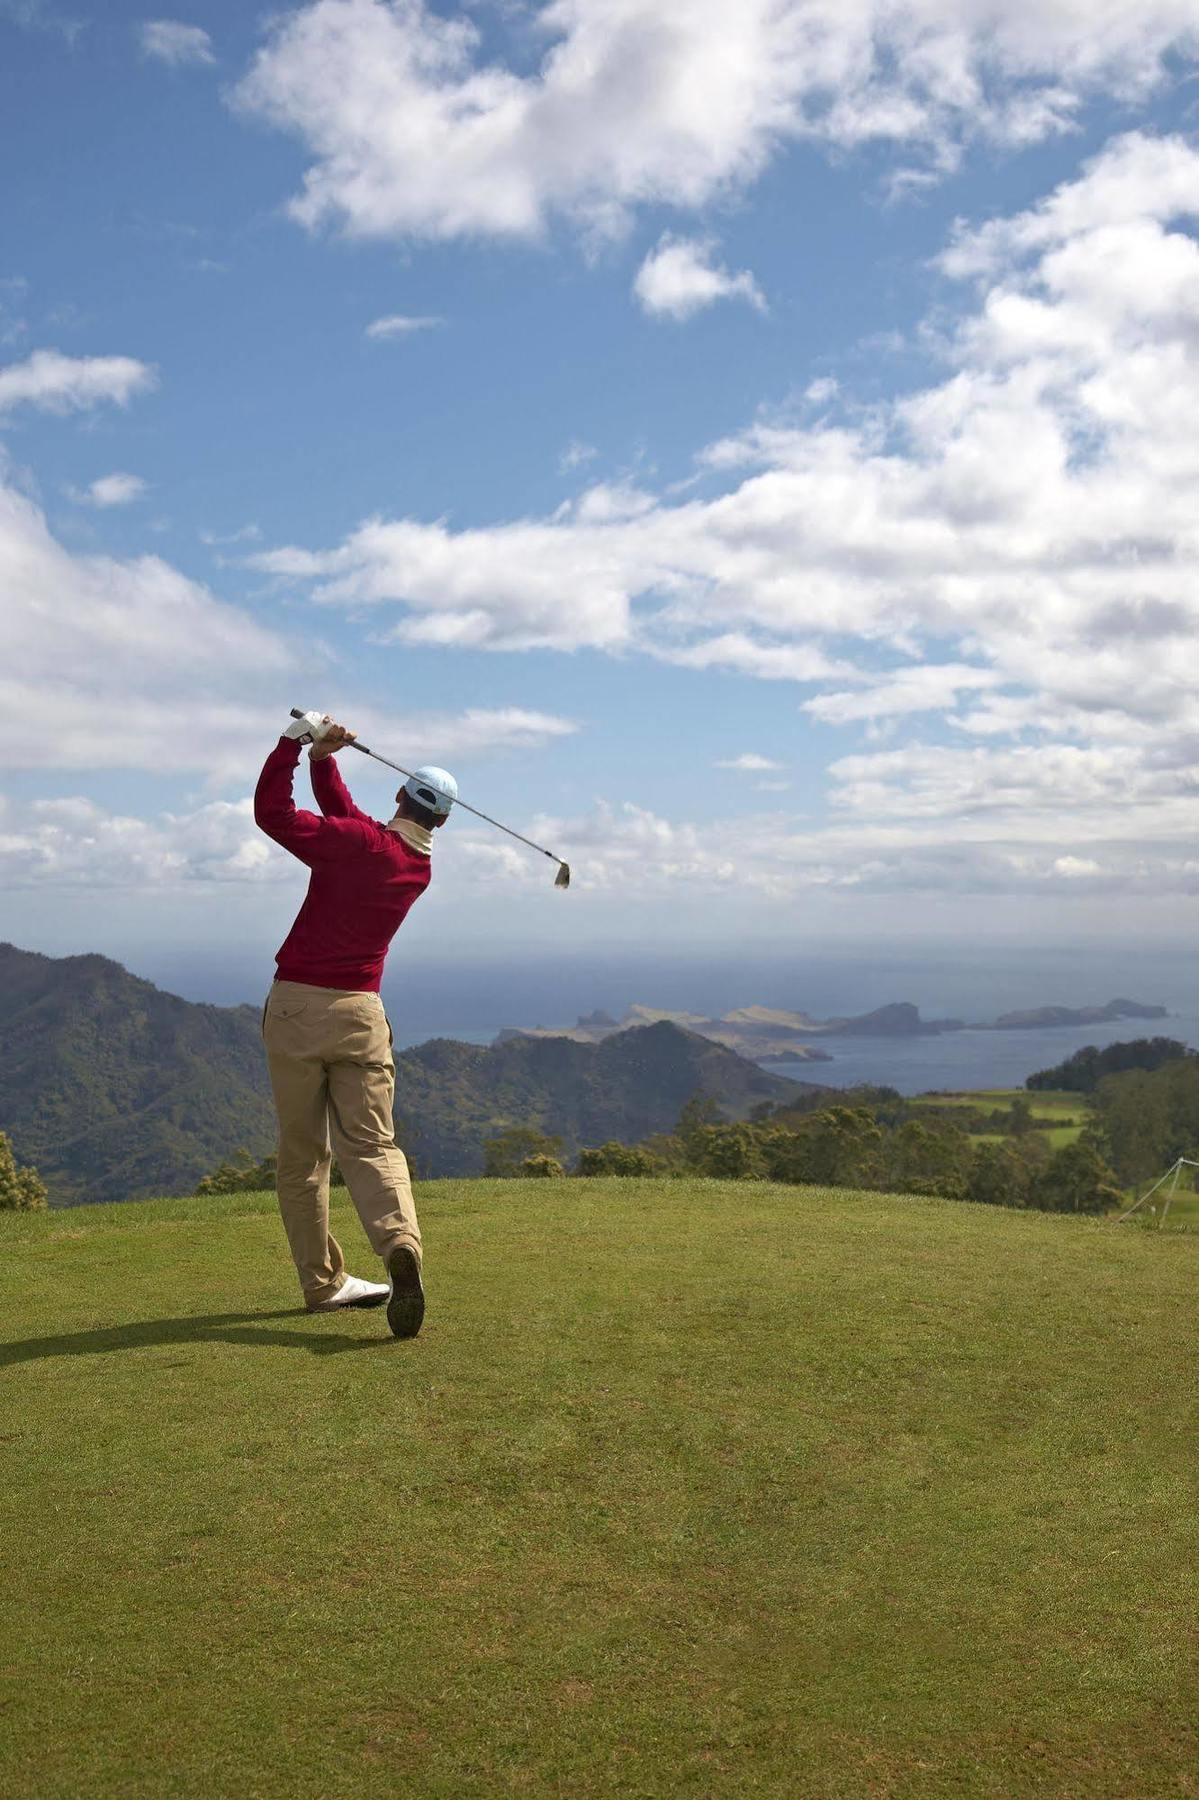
114	1089
701	1488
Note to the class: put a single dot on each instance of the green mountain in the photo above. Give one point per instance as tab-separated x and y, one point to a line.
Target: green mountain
115	1090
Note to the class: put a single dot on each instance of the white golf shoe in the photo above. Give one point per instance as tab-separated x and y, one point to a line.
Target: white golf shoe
354	1292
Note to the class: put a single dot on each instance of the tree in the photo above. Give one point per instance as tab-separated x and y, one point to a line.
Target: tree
619	1159
727	1152
922	1159
21	1190
1082	1072
998	1176
506	1152
698	1113
546	1167
1020	1119
839	1147
241	1176
1076	1179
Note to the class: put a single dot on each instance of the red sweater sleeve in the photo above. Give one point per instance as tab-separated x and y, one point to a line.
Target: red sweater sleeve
307	836
332	794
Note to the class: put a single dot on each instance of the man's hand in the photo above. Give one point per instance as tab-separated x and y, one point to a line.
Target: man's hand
334	737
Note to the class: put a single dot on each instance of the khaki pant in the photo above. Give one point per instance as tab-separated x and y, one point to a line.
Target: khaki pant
329	1054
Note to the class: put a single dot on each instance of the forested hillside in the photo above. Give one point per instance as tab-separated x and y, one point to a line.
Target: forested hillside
115	1090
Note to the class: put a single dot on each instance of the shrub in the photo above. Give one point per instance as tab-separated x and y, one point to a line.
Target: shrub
998	1176
1076	1179
507	1151
920	1160
241	1176
21	1190
841	1146
619	1159
728	1152
546	1166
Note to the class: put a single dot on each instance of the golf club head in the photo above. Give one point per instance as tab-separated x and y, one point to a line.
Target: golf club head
562	878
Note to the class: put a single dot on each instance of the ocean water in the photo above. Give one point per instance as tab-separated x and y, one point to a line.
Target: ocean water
973	1059
473	1000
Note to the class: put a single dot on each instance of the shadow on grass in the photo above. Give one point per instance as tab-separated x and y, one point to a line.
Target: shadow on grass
220	1328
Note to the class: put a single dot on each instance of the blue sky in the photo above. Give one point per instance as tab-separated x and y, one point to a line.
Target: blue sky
753	388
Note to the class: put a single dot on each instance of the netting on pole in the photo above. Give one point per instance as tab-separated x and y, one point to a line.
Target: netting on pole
1171	1175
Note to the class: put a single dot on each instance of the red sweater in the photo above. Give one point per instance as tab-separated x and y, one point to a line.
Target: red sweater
364	877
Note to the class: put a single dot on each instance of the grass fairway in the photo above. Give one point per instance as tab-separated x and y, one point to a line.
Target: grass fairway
686	1488
1068	1112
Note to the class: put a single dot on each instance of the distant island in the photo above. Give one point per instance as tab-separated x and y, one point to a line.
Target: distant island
767	1034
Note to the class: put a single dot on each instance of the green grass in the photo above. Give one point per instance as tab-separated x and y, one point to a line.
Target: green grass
687	1488
1069	1110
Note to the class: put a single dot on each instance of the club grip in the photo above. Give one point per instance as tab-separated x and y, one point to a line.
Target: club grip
296	713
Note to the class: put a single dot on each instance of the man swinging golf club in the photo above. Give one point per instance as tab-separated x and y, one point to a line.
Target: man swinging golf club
327	1039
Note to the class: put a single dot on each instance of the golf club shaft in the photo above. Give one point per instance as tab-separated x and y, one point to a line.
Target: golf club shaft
486	817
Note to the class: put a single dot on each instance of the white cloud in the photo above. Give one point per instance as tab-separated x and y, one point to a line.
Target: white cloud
927	687
247	534
76	842
113	664
650	102
176	44
112	490
36	15
55	383
1012	550
106	661
750	763
679	278
575	455
400	325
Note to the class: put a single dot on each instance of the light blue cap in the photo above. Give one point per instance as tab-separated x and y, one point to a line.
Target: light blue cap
433	788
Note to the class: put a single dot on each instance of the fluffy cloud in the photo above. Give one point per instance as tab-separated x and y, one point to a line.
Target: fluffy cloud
116	664
773	859
750	763
1012	549
112	490
679	279
113	664
55	383
76	843
400	325
169	41
414	132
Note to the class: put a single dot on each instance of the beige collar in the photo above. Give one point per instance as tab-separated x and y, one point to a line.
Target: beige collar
417	837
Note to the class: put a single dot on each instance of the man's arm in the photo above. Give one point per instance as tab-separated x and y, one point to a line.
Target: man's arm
332	794
307	836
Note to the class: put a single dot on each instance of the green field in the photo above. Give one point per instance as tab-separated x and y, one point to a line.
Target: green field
1068	1110
687	1488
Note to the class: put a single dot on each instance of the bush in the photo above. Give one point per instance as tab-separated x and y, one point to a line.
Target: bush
507	1151
841	1146
727	1152
241	1176
1076	1179
998	1176
546	1166
928	1160
619	1159
21	1190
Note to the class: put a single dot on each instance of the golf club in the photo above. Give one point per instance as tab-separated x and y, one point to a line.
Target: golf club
562	879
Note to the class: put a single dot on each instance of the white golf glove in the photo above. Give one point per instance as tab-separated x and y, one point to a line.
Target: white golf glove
308	727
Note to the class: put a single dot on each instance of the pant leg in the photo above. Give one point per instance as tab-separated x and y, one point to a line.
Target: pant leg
293	1029
361	1095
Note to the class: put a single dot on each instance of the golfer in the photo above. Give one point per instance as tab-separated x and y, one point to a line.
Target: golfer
328	1043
